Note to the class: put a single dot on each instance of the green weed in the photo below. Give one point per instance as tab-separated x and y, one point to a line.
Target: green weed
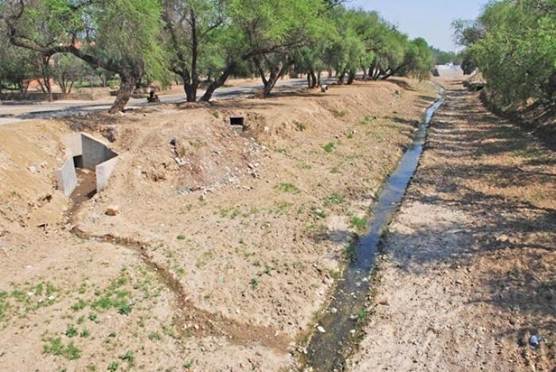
329	147
359	223
334	199
288	187
55	346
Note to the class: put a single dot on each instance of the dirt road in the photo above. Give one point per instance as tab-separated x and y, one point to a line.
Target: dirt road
11	112
467	275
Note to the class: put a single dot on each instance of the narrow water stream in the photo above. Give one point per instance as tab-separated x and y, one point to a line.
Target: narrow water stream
327	350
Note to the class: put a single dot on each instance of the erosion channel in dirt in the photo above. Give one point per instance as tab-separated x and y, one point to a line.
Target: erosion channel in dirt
336	332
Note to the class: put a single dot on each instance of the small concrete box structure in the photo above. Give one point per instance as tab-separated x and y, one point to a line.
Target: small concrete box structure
85	151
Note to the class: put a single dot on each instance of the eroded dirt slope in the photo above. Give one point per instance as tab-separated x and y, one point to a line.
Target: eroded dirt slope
224	243
468	275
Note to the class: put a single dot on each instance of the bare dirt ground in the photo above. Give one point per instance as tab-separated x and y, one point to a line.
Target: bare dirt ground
224	245
468	271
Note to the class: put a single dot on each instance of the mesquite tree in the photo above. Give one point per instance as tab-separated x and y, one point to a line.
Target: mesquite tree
120	36
513	43
190	33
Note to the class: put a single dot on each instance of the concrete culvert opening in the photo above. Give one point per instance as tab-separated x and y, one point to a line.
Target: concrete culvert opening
87	168
237	122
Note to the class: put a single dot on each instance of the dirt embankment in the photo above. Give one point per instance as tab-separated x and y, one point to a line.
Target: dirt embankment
467	276
225	243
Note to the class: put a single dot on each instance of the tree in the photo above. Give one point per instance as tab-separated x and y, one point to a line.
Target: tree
16	66
513	43
272	31
418	60
121	36
190	27
66	70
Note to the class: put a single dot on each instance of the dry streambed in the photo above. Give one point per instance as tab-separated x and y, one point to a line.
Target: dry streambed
223	245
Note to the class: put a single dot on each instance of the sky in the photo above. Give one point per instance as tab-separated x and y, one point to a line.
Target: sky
430	19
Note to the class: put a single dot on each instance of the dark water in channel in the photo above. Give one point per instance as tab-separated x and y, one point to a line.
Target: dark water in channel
326	351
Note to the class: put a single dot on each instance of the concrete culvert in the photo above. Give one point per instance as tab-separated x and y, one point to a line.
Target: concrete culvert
237	122
87	168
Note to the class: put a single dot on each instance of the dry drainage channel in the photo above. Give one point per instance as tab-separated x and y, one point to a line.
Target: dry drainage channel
334	337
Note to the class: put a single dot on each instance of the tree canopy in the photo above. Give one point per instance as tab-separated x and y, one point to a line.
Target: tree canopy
203	42
513	43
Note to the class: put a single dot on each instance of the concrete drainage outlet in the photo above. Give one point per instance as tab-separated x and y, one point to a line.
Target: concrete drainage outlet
87	167
237	123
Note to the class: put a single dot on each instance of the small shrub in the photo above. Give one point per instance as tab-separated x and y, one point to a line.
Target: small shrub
339	113
359	223
288	187
299	126
334	199
362	314
128	357
329	147
71	331
79	305
254	283
55	346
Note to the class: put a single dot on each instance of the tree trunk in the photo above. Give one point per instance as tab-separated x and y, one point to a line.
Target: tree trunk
315	80
309	82
217	83
351	77
275	73
127	86
341	77
190	91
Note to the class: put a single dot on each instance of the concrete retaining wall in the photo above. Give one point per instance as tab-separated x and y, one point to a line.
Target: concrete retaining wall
104	171
66	177
94	152
94	155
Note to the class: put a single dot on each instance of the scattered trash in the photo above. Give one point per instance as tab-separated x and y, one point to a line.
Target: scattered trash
321	329
535	341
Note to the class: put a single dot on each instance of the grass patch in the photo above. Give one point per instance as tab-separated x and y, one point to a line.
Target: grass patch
362	314
71	331
367	120
359	223
300	127
128	357
288	187
55	346
22	300
154	336
339	113
334	199
254	283
329	147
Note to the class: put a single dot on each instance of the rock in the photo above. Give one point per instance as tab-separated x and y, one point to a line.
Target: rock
321	329
33	169
112	210
333	310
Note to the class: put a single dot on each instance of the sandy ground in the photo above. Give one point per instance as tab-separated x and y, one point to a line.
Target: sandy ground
224	245
468	271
